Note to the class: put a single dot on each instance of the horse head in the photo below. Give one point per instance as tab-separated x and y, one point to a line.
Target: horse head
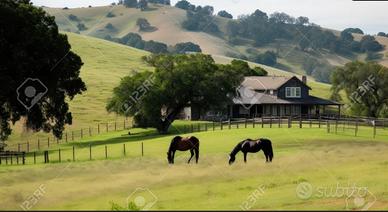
169	158
231	159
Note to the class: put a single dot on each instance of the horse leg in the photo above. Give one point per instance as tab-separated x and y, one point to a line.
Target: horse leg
266	156
245	156
196	150
192	154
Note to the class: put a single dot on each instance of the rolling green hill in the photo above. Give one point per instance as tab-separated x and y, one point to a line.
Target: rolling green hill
105	63
168	21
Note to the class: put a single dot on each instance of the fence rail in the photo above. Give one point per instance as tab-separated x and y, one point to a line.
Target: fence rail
47	142
78	152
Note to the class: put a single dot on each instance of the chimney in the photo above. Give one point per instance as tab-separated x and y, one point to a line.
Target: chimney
304	79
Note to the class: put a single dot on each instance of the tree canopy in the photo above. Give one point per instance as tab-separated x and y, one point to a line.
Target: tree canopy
225	14
155	99
38	70
365	85
181	48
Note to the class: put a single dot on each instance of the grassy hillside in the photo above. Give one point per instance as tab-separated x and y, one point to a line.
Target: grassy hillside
168	22
105	63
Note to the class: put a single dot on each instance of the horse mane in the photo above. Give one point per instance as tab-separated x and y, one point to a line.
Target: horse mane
173	141
237	148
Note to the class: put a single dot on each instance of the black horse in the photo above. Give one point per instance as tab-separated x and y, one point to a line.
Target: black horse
183	144
252	146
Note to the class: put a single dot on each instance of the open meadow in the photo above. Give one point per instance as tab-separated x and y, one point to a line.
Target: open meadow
309	169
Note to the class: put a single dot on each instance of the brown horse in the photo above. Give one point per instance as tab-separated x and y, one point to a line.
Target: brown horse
183	144
252	146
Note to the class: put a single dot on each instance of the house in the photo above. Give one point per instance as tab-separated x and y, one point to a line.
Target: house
279	96
259	96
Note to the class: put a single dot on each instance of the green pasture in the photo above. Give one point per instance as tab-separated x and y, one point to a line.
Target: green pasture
308	155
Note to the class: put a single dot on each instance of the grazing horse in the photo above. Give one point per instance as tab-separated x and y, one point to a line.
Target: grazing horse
183	144
252	146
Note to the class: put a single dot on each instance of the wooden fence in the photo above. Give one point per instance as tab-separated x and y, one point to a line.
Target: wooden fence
42	143
349	125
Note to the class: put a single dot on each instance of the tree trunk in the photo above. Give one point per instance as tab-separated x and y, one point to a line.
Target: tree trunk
166	123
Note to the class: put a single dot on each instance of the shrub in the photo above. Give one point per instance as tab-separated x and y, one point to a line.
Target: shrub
73	18
81	27
110	15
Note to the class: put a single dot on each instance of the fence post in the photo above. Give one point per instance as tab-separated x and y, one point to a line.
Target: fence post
115	126
270	122
199	127
336	126
106	152
72	135
98	128
319	121
142	149
289	122
24	158
356	128
328	126
374	128
124	150
17	159
48	142
253	123
90	131
90	152
214	127
237	125
18	147
229	124
300	122
66	137
59	154
262	122
246	122
279	122
73	153
34	157
82	133
107	127
221	127
46	157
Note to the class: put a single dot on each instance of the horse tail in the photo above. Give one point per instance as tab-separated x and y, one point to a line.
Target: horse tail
267	144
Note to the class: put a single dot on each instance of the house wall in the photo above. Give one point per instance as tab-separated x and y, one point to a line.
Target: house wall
294	82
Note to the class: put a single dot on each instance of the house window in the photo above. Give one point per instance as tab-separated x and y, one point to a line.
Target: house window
293	92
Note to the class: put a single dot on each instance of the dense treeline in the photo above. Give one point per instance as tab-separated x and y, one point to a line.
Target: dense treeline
135	40
142	4
264	29
198	18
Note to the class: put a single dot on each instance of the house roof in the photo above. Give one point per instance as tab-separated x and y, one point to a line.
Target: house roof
266	82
